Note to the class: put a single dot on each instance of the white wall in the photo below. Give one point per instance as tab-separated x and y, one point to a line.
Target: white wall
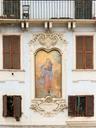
74	82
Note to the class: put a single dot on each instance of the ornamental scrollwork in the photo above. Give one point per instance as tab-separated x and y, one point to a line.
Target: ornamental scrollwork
48	106
47	39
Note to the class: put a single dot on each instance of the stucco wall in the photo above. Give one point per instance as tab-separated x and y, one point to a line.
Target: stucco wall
74	82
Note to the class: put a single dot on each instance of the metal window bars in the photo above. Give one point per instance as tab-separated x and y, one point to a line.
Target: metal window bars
48	9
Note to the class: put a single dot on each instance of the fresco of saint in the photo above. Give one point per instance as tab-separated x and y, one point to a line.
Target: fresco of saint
48	74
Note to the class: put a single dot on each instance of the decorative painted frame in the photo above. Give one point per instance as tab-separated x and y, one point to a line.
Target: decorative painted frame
48	41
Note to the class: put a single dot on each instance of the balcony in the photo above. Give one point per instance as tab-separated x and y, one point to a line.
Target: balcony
48	9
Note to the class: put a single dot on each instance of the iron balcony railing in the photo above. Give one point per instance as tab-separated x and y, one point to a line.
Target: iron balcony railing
48	9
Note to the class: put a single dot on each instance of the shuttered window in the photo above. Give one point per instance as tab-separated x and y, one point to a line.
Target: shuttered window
83	9
12	106
89	105
81	106
5	111
84	52
71	105
11	8
11	52
17	107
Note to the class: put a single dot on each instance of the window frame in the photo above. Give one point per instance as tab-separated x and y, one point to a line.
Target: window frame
81	9
84	52
16	106
7	12
73	112
20	52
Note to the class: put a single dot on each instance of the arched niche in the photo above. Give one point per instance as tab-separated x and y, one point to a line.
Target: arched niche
48	51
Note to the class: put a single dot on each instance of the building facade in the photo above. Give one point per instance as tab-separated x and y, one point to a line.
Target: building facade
47	63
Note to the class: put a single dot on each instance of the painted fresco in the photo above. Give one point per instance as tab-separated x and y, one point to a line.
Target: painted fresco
48	73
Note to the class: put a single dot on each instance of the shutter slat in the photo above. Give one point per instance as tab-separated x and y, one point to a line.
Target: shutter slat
16	52
79	61
89	105
89	52
89	61
79	52
89	43
5	112
17	107
79	43
71	105
16	62
6	52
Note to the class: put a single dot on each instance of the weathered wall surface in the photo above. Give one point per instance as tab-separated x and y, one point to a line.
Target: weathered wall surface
74	82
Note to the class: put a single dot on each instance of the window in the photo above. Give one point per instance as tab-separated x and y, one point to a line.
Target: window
11	8
12	106
83	9
84	52
81	106
11	52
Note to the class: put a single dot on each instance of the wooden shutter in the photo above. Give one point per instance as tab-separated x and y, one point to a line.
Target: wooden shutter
89	52
84	52
11	52
79	52
83	9
17	107
6	52
71	106
89	105
5	112
16	52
